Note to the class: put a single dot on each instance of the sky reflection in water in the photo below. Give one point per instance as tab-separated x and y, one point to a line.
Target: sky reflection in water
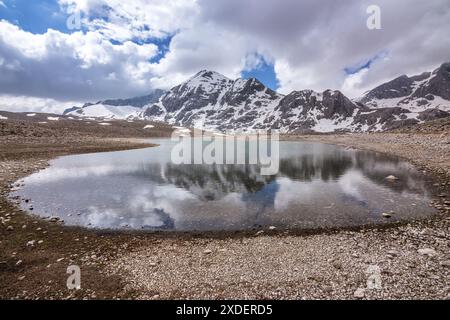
318	186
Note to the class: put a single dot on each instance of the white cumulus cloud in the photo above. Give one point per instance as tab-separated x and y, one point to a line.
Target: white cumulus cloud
311	43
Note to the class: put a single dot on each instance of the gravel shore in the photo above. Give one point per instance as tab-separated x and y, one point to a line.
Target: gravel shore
409	261
412	261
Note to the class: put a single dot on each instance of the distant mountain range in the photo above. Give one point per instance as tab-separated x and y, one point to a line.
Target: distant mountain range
211	101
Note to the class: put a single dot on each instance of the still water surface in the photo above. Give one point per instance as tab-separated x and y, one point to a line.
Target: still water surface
318	186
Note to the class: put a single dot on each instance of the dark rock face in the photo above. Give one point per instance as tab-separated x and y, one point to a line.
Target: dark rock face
397	88
211	101
415	93
383	119
336	104
433	114
439	84
69	110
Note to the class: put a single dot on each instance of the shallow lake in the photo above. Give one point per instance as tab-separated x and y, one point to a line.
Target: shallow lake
317	186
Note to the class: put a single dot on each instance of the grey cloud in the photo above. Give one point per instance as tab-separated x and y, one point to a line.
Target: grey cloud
310	43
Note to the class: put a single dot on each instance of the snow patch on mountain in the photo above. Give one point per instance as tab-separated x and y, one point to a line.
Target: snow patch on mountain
108	112
213	102
429	90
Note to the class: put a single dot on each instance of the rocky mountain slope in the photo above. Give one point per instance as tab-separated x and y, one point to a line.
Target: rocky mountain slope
211	101
417	93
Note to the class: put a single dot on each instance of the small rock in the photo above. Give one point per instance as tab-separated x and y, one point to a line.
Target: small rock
427	252
360	293
54	219
446	263
31	243
337	265
271	228
386	215
392	178
21	278
10	228
327	289
18	263
393	253
207	251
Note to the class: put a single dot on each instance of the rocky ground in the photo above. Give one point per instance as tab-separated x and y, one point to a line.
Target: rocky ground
411	260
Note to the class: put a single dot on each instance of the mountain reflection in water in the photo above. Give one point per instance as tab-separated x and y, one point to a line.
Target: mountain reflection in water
317	186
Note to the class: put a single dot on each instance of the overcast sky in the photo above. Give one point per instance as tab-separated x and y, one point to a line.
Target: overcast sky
127	48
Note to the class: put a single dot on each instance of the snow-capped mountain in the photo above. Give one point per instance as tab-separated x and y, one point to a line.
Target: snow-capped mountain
417	93
116	109
212	101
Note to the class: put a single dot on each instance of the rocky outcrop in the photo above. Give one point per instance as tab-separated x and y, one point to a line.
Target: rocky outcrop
430	90
212	101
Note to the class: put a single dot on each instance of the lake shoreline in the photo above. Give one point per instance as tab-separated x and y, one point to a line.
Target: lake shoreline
140	265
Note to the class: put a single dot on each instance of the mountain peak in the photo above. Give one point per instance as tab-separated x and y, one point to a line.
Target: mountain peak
209	74
416	93
211	100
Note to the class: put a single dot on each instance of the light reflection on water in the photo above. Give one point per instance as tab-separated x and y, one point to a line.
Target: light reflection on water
318	186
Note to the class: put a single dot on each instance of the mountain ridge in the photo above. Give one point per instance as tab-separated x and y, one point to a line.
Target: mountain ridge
209	100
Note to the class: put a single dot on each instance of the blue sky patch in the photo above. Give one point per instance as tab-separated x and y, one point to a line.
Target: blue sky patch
365	64
35	16
264	72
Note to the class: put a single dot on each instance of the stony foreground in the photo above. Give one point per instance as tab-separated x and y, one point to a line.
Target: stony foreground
408	261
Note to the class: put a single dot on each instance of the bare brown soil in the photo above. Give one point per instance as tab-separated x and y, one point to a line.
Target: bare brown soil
271	264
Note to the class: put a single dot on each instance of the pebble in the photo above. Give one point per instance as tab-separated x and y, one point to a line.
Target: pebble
360	293
31	243
207	251
446	263
393	253
327	289
427	252
392	178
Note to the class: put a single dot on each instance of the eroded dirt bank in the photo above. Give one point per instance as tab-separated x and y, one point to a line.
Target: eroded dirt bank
413	259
